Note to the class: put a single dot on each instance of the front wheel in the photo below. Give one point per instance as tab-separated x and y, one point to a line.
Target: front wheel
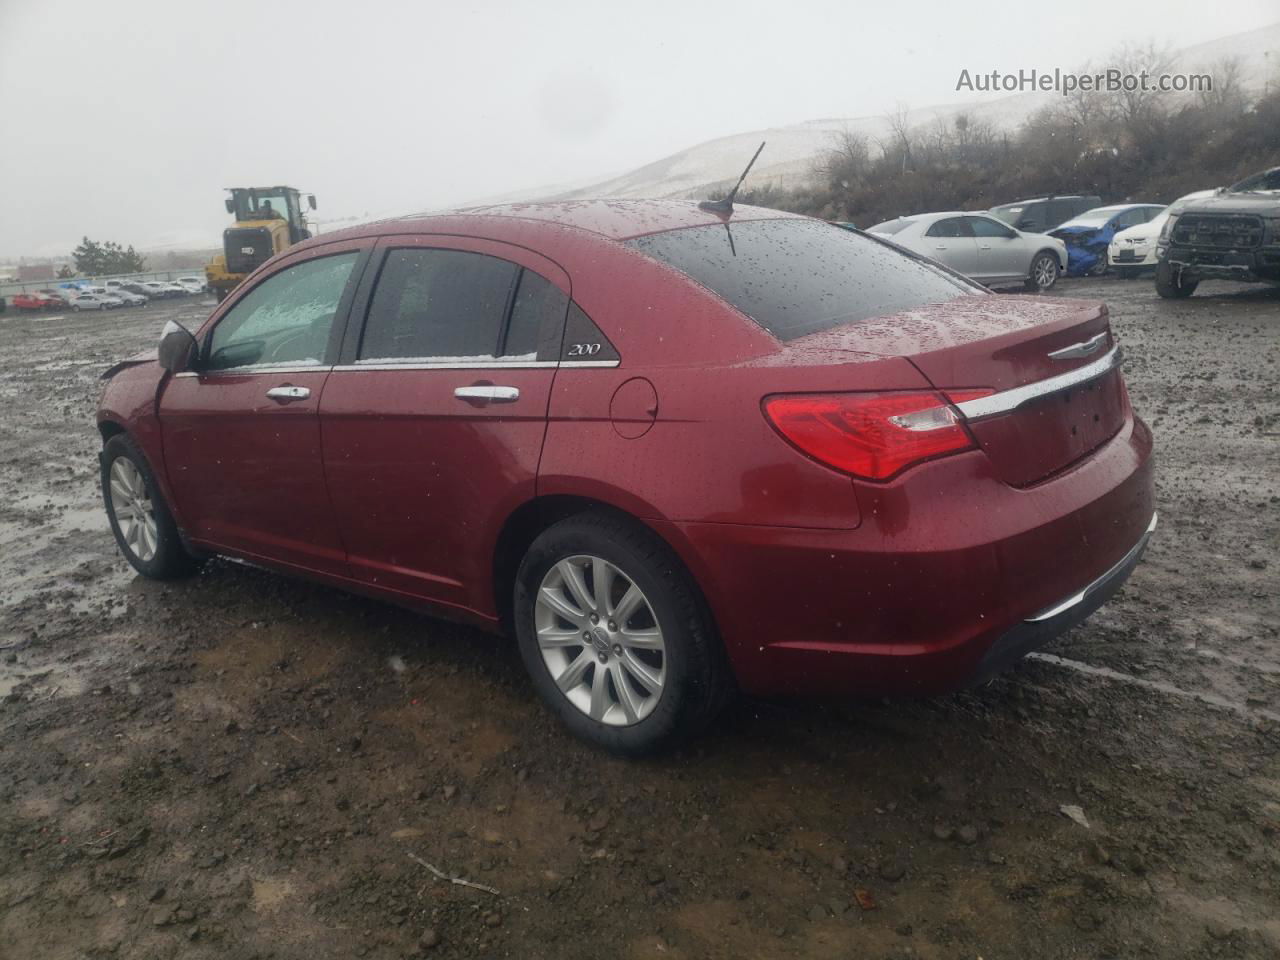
1043	274
140	519
75	309
1171	285
615	635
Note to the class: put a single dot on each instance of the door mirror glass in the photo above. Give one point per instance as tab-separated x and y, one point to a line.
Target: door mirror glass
177	347
311	199
231	206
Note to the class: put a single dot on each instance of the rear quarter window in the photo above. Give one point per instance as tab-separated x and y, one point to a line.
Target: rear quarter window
796	277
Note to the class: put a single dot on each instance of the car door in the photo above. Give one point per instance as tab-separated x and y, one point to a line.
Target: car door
434	421
950	241
1002	253
241	432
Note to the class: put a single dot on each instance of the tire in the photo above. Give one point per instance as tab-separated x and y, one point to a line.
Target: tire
154	549
1171	286
1043	273
676	650
75	309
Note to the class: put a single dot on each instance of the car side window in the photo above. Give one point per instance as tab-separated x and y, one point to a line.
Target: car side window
433	304
984	227
286	319
537	320
950	227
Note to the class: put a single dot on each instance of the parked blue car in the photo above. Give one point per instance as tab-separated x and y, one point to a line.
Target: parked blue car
1088	235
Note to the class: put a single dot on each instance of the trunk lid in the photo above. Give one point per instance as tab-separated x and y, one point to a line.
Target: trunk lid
998	344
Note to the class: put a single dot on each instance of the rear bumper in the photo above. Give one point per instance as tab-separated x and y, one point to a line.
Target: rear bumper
1035	631
938	584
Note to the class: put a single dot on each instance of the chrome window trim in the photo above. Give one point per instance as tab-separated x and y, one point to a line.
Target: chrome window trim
496	364
256	369
1078	598
373	365
1009	400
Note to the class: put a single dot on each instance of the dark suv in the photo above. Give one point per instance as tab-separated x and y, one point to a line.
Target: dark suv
1044	213
1234	235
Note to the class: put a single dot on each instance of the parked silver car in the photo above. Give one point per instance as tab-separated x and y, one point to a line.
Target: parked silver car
95	301
980	247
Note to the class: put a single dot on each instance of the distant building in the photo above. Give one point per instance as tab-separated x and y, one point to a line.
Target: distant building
29	272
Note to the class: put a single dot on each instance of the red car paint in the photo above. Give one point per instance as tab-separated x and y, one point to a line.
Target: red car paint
384	482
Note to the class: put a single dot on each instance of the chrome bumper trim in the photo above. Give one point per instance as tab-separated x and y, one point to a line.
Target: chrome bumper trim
1079	598
1009	400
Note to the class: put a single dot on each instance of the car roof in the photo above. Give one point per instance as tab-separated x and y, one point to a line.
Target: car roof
614	219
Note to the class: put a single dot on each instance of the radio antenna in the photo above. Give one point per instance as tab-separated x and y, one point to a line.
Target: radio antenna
726	205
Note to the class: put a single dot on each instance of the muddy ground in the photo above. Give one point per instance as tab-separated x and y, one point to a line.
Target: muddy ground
246	766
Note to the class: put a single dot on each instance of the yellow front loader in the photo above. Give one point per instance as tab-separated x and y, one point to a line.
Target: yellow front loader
268	220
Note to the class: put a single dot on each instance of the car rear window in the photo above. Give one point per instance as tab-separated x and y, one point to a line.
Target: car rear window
796	277
892	226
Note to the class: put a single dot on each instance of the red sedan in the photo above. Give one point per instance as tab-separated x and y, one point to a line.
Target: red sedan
674	451
36	301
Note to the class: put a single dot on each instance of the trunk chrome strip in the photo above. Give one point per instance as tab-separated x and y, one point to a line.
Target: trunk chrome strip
1078	598
1085	348
1009	400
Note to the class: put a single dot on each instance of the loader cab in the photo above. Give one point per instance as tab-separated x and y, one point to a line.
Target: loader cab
268	220
267	203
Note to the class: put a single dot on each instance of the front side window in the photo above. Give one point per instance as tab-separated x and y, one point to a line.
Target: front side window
286	319
985	227
438	305
797	276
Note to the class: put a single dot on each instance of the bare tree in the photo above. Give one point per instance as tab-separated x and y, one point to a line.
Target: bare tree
844	166
1227	92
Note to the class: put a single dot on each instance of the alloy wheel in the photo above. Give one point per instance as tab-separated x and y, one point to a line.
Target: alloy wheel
131	505
600	640
1044	272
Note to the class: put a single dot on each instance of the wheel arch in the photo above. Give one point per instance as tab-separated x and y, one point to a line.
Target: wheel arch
532	517
1059	258
110	428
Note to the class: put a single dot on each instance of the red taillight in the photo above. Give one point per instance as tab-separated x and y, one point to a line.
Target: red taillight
869	435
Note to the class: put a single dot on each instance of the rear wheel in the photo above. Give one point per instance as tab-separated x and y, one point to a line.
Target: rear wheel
615	636
1044	272
140	519
1171	285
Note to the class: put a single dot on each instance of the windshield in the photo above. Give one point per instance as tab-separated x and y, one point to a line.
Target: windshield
1092	218
261	204
1009	213
1266	182
796	277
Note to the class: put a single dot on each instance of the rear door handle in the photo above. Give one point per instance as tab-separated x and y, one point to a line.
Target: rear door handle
492	394
287	393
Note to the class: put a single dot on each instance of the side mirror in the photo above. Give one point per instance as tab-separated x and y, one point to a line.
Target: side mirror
230	205
311	199
178	347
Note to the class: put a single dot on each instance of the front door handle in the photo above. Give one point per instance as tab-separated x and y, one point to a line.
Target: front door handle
985	246
490	393
287	393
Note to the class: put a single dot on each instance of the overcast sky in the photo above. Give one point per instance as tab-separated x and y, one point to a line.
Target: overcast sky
125	120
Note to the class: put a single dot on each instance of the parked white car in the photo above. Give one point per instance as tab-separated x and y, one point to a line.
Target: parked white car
981	247
1134	249
95	301
158	289
191	284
